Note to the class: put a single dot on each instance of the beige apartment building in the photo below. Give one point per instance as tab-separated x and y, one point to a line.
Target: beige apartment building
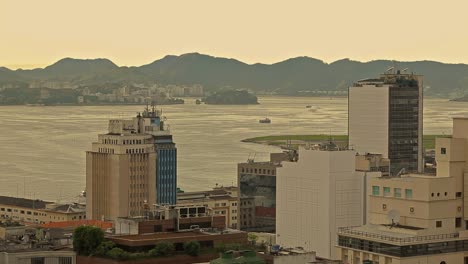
38	211
416	218
220	201
123	169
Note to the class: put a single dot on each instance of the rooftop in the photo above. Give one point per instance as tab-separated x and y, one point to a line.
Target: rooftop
396	235
67	224
152	238
23	202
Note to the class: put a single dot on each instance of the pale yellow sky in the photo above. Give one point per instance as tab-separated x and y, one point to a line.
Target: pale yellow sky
38	33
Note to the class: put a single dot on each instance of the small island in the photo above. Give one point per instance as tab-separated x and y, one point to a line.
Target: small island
231	97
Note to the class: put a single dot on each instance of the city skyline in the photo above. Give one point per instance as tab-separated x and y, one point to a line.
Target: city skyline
260	32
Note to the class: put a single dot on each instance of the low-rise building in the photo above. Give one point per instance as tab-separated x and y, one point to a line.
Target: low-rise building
38	211
33	256
220	200
170	219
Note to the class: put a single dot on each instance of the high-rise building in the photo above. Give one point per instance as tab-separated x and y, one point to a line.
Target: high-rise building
385	116
416	218
133	164
315	196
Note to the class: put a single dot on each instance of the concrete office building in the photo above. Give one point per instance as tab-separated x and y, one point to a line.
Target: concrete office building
220	201
316	195
257	192
416	218
385	116
133	164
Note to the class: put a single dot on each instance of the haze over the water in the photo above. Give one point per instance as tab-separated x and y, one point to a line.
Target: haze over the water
38	33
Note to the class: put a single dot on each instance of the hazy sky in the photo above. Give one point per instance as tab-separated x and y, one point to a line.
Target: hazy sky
39	32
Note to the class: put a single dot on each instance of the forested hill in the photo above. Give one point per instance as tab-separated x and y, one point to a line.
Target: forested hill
295	76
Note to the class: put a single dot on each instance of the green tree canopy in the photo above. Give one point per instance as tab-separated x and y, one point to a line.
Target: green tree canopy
162	249
192	248
86	239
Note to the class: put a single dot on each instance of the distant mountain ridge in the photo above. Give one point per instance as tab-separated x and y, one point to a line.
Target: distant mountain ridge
292	76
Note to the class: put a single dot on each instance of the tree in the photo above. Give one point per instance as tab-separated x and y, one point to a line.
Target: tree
252	238
118	253
162	249
103	248
192	248
86	239
220	248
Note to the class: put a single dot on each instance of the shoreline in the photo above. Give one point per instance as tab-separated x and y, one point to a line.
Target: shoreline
294	141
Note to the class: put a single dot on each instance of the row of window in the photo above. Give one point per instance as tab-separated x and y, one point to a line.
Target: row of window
132	141
106	150
110	141
135	151
260	171
59	260
396	192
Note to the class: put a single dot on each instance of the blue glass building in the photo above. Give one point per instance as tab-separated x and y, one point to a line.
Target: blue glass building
166	170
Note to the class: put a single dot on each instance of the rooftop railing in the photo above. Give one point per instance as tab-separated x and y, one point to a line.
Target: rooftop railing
394	239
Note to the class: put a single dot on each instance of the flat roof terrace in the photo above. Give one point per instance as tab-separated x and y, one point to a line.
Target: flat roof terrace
178	237
397	235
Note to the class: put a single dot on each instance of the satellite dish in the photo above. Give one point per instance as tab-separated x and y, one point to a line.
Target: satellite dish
394	217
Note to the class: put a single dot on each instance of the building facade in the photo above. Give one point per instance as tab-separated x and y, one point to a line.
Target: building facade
257	193
416	218
133	164
315	196
221	201
386	117
38	211
29	256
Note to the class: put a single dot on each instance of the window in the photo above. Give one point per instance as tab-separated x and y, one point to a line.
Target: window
409	194
443	151
386	191
65	260
438	224
157	228
458	222
397	192
458	194
375	190
37	260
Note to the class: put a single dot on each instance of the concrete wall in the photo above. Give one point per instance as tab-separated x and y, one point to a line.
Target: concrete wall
368	112
179	259
315	196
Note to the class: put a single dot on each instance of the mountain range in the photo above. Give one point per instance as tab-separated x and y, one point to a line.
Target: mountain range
291	76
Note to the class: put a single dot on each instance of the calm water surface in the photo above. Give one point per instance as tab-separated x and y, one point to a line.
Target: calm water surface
43	148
